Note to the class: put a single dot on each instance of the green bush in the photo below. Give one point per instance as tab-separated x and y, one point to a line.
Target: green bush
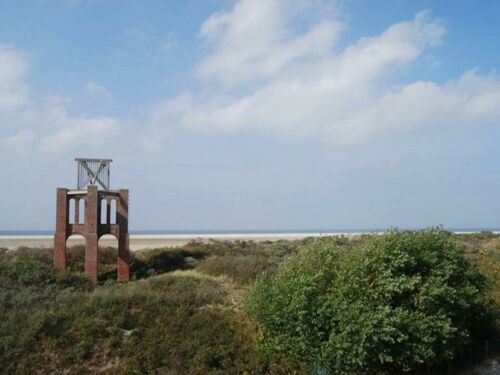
182	322
242	261
392	303
242	269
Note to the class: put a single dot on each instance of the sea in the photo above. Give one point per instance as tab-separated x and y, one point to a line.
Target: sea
247	231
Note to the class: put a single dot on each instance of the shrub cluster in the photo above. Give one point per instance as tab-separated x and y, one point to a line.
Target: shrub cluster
177	323
390	304
243	261
377	304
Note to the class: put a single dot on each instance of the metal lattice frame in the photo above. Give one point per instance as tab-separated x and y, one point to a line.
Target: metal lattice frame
92	172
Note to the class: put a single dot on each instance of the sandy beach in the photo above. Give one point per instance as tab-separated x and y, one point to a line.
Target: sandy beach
147	241
152	241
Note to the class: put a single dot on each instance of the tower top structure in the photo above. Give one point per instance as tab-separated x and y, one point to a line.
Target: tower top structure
93	172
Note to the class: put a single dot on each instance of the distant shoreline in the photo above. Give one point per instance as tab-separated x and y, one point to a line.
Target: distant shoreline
150	241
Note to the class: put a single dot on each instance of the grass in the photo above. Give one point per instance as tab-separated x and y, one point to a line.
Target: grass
483	249
177	317
182	313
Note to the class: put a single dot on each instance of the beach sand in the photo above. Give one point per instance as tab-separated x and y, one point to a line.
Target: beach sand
143	241
149	241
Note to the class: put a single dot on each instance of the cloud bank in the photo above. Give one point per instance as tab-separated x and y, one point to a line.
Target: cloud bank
277	67
13	88
43	124
261	74
94	89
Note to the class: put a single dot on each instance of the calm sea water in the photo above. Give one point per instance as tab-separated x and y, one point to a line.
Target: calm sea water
241	231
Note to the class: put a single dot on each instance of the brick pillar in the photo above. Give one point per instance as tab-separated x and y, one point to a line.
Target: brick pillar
61	228
91	225
123	258
77	211
108	212
123	265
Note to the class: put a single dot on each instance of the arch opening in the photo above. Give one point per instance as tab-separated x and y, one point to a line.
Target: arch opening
75	253
71	211
104	211
113	212
81	211
108	258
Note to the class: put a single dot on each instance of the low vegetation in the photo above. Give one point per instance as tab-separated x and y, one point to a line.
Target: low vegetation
392	304
184	311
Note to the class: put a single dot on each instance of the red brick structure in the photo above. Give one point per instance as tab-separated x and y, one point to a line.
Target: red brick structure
104	212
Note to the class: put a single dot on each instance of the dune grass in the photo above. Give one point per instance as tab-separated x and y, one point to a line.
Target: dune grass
177	316
182	313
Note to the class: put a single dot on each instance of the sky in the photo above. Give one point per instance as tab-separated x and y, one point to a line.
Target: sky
255	114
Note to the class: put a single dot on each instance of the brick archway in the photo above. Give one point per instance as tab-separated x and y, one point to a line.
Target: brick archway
92	229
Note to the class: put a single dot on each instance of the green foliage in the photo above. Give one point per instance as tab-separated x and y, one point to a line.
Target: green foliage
391	303
242	269
181	322
180	317
484	251
157	261
242	261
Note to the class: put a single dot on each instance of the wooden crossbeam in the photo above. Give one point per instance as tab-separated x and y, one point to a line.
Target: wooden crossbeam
93	177
93	172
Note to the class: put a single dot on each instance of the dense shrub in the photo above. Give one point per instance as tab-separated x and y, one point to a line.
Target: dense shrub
175	317
391	303
242	269
182	322
281	248
242	261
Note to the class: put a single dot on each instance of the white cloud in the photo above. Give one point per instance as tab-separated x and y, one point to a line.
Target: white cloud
64	132
254	40
20	141
43	124
50	129
292	84
13	89
172	108
78	131
263	73
95	89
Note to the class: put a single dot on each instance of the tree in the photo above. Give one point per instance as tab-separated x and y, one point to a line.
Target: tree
391	303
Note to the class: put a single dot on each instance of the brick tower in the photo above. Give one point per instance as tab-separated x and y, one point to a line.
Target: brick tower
92	210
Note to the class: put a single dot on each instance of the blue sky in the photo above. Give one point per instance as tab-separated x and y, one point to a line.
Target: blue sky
255	114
